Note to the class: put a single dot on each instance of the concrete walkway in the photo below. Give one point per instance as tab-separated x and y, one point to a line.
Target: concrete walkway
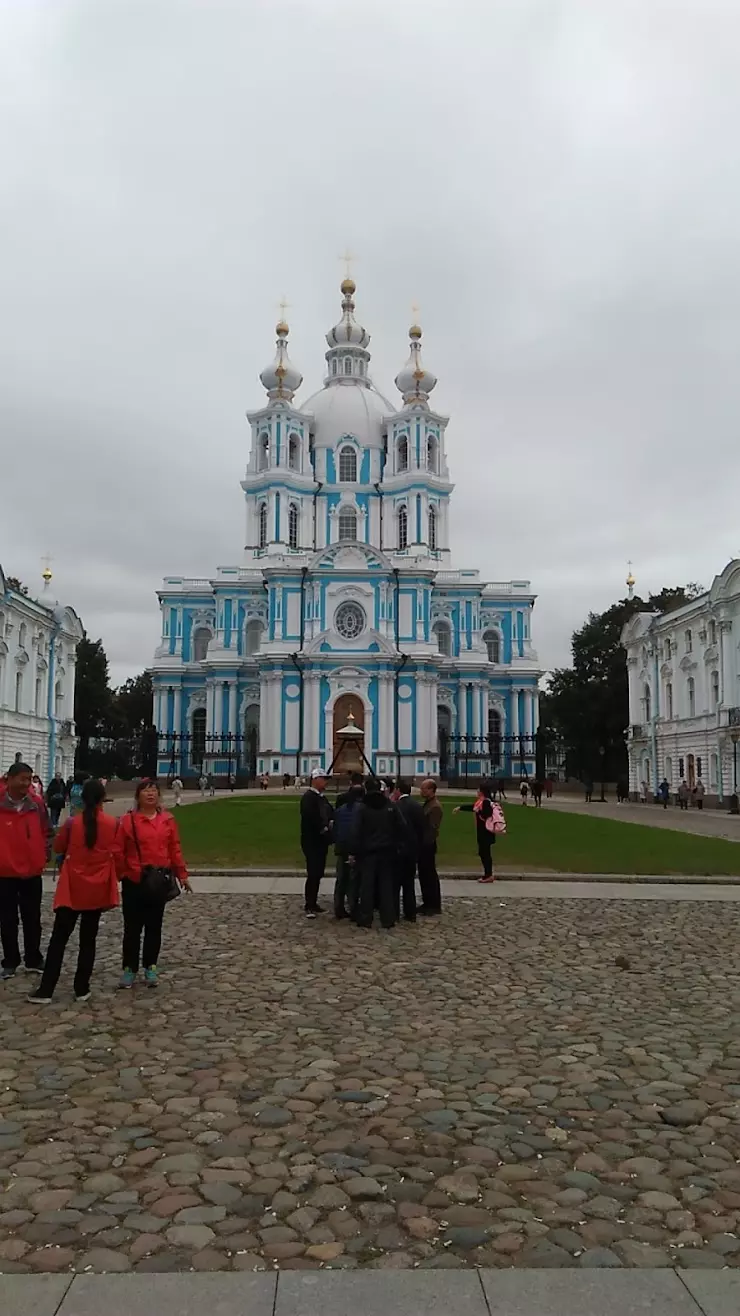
377	1292
699	822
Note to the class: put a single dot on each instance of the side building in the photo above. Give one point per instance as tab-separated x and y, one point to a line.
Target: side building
346	607
684	692
38	645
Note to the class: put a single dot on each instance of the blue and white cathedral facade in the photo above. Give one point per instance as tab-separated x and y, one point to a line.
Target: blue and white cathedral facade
346	602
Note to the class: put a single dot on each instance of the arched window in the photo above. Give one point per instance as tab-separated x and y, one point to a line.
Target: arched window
293	526
201	640
262	526
347	524
264	452
669	702
494	733
198	741
253	637
334	366
294	452
58	699
444	638
492	641
433	529
402	455
22	635
647	703
347	464
431	453
37	698
18	692
715	691
691	689
403	528
348	365
689	641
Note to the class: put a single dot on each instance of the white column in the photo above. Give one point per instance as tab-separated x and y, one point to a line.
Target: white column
462	730
515	714
177	711
535	712
232	708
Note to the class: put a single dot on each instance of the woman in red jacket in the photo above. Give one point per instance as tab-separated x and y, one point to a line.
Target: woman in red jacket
148	835
87	886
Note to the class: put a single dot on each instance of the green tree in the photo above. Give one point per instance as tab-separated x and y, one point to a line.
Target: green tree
587	705
93	697
133	705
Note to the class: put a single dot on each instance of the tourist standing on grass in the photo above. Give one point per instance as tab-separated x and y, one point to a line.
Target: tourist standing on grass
87	887
378	840
148	838
25	838
431	895
489	820
346	886
316	824
412	813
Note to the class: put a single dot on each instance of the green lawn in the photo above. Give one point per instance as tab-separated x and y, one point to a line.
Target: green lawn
248	832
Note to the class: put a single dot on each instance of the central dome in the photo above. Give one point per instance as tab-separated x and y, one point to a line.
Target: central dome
348	408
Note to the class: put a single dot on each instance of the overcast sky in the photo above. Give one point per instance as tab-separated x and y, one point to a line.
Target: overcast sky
555	182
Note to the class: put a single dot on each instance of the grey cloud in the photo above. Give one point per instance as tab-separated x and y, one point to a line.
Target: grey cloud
555	183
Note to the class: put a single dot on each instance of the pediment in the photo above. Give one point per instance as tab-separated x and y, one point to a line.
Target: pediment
687	663
350	557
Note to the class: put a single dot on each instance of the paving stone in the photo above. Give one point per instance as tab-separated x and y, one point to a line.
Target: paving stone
32	1295
170	1294
584	1292
716	1294
375	1293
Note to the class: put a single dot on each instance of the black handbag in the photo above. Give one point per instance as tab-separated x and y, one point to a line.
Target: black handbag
158	885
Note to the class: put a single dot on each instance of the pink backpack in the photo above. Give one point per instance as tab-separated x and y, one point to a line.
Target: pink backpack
496	821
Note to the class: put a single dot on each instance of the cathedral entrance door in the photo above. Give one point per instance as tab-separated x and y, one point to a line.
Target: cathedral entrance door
350	758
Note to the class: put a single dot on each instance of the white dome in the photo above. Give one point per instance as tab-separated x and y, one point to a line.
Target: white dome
350	408
281	378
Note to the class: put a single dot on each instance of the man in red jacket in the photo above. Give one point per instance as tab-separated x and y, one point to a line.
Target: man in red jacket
25	838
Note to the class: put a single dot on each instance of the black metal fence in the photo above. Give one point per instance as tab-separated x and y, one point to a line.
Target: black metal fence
464	757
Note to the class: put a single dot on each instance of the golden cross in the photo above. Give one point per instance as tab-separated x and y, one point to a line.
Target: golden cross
46	562
283	306
348	258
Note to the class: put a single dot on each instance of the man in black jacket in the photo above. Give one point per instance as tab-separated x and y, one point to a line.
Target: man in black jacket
379	837
316	821
416	829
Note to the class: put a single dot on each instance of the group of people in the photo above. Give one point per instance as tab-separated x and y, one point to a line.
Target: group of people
104	862
383	839
684	795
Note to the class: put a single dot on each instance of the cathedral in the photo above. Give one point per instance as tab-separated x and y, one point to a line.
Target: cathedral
345	611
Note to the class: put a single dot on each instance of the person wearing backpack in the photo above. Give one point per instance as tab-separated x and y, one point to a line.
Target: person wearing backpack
489	820
56	798
345	817
87	887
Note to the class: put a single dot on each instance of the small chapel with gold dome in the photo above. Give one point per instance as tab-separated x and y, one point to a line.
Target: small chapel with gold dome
345	604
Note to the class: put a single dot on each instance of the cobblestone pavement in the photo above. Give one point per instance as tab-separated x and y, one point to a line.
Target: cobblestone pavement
488	1089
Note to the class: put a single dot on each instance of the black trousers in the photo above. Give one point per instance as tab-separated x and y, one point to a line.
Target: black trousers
377	887
140	916
345	888
485	844
64	925
315	855
431	896
21	896
405	888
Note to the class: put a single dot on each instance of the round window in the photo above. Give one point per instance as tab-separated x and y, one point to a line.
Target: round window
349	620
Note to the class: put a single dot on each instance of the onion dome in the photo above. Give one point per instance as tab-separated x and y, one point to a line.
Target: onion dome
281	379
414	381
347	332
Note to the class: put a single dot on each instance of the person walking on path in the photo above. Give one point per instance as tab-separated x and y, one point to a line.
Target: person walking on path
431	895
56	798
588	789
412	813
316	824
148	838
345	818
524	791
549	784
537	793
202	785
489	819
683	795
699	793
379	837
25	839
177	790
87	887
664	792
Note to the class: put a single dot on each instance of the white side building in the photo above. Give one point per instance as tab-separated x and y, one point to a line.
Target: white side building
38	645
684	691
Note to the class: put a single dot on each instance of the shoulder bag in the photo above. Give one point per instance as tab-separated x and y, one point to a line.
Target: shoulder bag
158	885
